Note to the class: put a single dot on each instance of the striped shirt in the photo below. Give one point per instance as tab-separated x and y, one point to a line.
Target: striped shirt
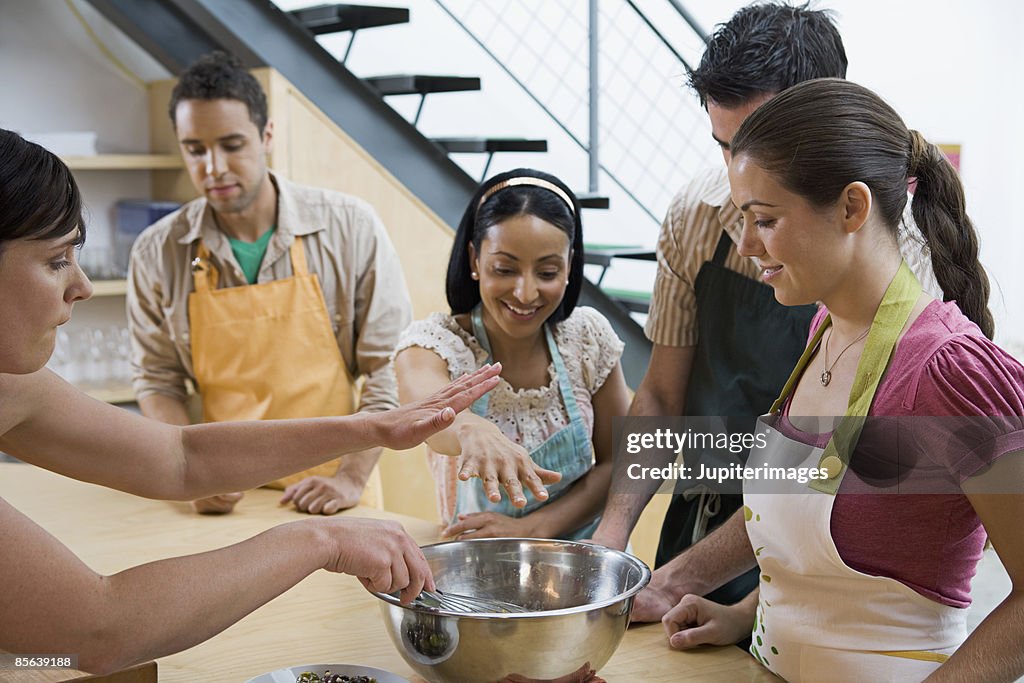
689	235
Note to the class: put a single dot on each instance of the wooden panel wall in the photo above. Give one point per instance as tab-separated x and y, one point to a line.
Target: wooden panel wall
309	148
167	185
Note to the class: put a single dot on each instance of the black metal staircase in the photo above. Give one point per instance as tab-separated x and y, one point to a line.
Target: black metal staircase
405	84
490	146
337	18
333	18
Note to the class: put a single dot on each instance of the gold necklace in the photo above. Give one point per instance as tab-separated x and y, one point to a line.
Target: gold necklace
826	373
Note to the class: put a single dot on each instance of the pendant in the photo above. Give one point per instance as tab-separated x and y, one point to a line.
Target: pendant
826	377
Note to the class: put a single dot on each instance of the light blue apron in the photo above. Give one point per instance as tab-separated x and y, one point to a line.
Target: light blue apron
568	451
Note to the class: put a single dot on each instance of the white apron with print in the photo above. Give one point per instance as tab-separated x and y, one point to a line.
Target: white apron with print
818	619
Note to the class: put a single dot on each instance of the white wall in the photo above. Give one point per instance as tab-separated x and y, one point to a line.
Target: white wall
55	79
951	69
433	44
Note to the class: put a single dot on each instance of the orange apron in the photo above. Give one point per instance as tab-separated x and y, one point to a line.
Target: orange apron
267	351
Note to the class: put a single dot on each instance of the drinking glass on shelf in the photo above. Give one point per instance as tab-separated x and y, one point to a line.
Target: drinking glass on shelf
60	360
124	346
96	367
78	356
98	262
116	354
93	357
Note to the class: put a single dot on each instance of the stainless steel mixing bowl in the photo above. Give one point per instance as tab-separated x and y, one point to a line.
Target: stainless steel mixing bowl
579	596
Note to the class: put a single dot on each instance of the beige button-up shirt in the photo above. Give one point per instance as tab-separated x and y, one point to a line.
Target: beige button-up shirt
346	247
691	230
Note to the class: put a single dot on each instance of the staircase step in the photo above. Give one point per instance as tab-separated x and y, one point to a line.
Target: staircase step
334	18
491	145
404	84
589	200
606	252
632	300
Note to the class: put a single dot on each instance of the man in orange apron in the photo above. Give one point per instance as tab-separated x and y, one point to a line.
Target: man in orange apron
269	297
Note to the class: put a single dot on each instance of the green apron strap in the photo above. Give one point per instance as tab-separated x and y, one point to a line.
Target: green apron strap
801	364
893	313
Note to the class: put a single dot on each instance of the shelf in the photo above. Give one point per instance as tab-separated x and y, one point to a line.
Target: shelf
109	287
113	394
125	162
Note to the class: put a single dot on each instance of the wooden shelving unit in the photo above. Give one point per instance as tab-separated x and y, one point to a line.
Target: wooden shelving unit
109	287
125	162
113	394
118	288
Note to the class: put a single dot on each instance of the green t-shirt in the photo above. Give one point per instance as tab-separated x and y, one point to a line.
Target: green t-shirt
250	254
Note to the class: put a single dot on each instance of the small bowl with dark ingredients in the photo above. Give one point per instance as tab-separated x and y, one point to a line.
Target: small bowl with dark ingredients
328	673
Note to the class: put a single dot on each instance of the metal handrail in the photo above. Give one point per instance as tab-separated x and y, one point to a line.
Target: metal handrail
643	17
688	18
592	146
594	98
558	122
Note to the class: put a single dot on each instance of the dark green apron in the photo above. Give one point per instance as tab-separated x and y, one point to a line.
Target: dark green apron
747	345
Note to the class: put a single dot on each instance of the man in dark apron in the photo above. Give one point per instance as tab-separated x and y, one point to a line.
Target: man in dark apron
746	342
722	345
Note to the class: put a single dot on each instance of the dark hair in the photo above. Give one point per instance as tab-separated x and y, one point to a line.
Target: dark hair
765	49
517	200
39	199
220	76
819	136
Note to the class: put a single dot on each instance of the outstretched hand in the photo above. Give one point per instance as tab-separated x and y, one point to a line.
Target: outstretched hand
413	423
499	463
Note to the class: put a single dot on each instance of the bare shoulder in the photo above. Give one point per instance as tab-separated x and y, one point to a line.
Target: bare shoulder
20	395
37	401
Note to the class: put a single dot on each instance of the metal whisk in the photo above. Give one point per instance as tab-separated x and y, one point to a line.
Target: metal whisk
454	602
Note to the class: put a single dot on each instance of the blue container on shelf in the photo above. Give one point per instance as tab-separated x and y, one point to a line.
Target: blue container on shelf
134	216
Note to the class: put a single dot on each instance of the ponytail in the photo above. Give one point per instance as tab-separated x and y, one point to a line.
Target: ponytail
821	135
939	210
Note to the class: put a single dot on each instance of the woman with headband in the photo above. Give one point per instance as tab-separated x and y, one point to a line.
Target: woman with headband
865	572
514	277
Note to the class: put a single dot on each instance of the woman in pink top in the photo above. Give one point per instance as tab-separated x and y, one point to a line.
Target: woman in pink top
865	572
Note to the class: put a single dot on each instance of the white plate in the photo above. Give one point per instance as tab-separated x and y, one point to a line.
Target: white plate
291	673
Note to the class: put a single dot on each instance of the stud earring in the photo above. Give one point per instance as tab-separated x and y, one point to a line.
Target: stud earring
474	275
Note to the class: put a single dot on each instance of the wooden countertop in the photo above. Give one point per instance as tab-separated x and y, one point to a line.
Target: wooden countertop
326	618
